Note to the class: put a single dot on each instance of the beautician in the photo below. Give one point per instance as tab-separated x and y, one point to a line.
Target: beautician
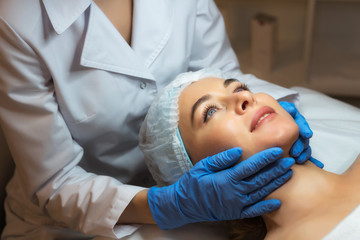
76	80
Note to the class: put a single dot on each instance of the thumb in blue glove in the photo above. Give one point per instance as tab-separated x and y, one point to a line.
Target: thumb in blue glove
301	150
219	188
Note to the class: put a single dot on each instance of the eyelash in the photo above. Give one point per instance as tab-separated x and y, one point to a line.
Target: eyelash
206	111
241	86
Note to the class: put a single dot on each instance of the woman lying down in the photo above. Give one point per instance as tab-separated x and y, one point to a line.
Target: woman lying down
212	114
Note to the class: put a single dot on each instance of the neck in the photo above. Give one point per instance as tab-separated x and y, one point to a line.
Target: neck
309	188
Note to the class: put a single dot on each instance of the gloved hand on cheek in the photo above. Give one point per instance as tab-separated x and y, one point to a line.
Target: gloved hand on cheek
218	188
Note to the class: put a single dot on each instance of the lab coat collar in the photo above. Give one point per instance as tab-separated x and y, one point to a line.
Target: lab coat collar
63	13
105	48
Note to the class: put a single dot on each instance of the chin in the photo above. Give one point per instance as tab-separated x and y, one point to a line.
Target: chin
283	138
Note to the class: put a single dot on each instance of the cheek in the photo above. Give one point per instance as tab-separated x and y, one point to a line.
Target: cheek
217	138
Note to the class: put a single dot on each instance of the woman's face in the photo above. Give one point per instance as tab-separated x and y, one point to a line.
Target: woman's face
217	114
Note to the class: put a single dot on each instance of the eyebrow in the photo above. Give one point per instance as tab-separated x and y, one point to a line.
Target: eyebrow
197	104
229	81
206	97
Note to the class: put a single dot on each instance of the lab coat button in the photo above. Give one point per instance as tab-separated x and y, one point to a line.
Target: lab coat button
142	85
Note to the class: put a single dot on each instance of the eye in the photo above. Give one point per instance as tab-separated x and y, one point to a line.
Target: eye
241	87
208	112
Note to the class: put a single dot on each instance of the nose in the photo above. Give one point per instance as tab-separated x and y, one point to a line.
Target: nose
242	101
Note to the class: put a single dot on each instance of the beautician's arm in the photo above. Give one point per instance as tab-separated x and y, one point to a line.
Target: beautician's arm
138	210
216	188
47	174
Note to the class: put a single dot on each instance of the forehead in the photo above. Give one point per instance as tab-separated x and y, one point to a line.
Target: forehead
194	91
204	85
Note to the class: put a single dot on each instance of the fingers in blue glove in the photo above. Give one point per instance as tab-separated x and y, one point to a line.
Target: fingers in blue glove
304	156
316	162
299	146
304	128
260	208
268	174
272	186
289	107
255	163
223	160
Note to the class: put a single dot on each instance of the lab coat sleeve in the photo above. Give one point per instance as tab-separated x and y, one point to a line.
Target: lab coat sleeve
46	157
212	48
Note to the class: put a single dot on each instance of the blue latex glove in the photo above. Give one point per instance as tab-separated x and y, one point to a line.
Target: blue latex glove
301	150
217	188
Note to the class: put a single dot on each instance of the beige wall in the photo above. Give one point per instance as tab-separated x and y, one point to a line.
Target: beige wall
317	42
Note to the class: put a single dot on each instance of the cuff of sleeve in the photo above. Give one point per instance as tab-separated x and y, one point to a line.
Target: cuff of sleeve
118	208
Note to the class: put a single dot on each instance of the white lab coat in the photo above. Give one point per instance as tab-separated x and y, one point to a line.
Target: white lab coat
73	95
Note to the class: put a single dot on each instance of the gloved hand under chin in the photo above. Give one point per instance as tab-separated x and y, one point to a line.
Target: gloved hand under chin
217	188
301	150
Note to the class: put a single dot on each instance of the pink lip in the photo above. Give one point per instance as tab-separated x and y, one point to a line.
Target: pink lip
259	114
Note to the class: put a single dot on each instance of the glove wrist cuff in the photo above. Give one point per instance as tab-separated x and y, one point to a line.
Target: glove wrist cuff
164	209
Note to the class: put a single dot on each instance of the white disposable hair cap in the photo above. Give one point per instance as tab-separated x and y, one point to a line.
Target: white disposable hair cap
159	137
